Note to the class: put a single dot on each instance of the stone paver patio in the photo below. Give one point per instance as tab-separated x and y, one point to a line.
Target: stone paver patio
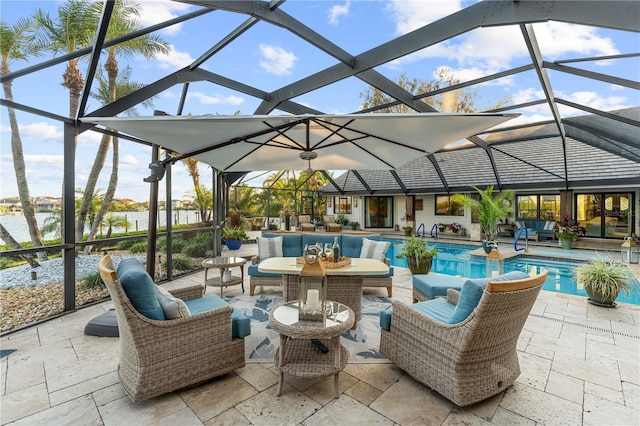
580	366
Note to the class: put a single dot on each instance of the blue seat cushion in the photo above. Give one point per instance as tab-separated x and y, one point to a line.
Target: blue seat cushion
438	309
471	293
139	288
240	324
253	271
434	284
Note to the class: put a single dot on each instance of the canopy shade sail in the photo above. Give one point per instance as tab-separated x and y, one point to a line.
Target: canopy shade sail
299	142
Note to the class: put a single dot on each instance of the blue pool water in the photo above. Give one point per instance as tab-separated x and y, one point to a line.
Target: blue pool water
455	259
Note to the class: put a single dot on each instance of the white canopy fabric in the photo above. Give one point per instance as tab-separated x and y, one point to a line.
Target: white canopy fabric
286	142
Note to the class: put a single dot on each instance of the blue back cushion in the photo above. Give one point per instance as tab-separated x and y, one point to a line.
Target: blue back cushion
351	245
139	287
471	293
291	243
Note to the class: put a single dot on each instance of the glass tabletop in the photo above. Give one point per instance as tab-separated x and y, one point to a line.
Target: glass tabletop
287	314
223	261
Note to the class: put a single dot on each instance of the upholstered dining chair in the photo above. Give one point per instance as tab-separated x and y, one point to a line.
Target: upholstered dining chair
463	346
169	341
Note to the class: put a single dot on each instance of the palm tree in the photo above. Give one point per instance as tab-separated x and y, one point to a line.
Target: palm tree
123	21
123	87
17	44
112	221
74	29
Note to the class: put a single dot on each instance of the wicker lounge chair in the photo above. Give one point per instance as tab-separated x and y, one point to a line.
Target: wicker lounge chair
330	224
157	357
469	361
305	223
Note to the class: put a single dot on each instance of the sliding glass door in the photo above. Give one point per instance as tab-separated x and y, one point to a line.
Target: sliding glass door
605	215
378	212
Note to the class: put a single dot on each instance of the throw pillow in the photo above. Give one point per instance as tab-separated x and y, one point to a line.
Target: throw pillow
471	293
549	225
172	307
374	249
140	288
269	247
518	224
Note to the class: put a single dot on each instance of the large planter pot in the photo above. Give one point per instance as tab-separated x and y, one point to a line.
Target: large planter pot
422	267
566	244
487	246
233	244
596	298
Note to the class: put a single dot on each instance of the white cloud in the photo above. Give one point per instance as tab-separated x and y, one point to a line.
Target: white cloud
174	59
411	15
595	100
276	60
558	40
157	11
41	131
338	11
216	99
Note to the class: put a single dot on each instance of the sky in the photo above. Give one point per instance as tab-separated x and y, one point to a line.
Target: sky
268	57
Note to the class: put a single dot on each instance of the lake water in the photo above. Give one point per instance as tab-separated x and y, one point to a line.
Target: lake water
138	221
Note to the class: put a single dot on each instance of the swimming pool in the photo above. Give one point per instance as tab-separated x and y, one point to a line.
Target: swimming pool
455	259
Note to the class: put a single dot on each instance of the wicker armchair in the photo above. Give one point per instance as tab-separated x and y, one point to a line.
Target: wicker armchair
469	361
157	357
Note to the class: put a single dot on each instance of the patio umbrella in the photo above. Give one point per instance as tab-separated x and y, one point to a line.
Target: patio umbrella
299	142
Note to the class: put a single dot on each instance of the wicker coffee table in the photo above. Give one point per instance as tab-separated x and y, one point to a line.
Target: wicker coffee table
298	356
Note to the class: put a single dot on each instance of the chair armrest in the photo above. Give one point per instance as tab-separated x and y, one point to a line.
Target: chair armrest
452	296
255	259
387	261
188	293
163	340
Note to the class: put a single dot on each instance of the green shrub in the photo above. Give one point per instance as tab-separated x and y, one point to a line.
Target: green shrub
181	263
139	247
178	245
196	249
127	244
93	280
161	244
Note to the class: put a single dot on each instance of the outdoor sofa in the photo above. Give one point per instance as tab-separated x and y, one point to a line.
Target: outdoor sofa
537	228
293	244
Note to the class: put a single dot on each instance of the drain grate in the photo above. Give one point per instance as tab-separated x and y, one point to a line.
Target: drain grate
590	327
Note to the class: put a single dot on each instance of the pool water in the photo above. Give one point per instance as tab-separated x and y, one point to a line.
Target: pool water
455	259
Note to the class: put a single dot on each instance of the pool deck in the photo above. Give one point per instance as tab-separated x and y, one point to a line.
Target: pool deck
580	366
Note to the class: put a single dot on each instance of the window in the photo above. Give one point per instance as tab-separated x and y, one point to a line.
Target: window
538	206
445	206
342	205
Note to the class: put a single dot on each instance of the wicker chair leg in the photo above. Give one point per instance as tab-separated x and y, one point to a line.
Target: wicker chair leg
389	291
252	289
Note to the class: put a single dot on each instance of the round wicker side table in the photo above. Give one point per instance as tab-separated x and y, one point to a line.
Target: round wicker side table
299	354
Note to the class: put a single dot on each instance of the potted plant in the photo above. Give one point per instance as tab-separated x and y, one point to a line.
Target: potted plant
568	232
233	232
234	237
419	255
489	209
603	280
341	219
407	230
354	225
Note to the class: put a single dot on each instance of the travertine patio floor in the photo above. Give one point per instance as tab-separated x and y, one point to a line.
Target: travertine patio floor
580	365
